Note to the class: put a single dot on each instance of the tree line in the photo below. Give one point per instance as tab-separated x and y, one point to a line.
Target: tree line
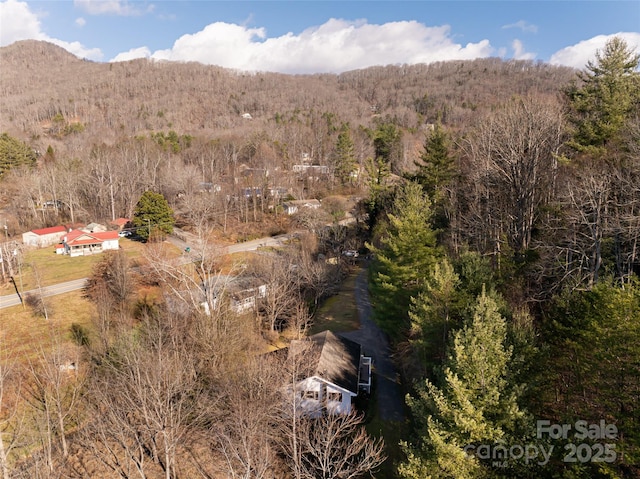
505	272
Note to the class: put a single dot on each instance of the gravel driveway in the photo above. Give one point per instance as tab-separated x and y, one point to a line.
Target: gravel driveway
375	344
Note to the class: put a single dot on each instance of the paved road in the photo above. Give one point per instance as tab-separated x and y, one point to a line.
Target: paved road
183	239
60	288
376	345
9	300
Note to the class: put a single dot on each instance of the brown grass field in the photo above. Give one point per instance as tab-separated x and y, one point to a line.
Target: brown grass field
24	334
56	268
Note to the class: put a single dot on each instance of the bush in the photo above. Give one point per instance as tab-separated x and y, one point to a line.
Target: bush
79	334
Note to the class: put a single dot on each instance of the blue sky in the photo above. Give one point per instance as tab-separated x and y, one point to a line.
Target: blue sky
322	36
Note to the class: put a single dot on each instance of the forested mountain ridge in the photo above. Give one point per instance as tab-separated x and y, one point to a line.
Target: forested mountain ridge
40	80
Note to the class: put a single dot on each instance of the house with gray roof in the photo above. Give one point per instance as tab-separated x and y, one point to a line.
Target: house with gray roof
337	372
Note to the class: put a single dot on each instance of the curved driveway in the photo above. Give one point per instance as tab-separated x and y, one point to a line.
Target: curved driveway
375	344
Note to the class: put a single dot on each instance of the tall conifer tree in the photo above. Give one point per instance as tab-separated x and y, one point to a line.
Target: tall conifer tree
476	405
608	94
404	259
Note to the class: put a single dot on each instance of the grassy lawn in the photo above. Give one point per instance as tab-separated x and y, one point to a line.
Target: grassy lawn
23	333
338	313
56	268
392	433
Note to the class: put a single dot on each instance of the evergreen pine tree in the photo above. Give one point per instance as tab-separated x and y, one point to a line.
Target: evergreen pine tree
608	94
433	312
14	153
476	404
345	155
436	167
153	216
404	259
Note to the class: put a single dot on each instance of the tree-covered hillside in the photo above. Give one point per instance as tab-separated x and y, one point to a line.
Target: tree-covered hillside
495	205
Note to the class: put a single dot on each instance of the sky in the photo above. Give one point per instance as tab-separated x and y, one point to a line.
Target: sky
330	36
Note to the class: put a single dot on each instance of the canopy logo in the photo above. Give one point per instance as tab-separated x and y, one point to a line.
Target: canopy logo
587	442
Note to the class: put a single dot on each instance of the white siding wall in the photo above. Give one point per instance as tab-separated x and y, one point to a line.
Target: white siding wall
110	244
343	406
312	400
43	241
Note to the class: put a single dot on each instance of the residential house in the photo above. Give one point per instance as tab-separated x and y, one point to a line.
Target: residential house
293	206
119	223
312	171
43	237
82	243
337	372
94	228
243	293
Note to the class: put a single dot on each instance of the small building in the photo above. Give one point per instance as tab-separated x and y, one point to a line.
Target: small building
337	372
119	223
293	206
41	238
83	243
94	228
314	171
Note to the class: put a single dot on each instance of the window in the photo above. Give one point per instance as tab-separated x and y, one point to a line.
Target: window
309	394
334	396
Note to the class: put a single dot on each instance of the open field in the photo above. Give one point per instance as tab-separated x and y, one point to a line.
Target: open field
23	333
55	268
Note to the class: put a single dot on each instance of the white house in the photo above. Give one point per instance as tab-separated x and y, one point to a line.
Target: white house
82	243
243	293
293	206
314	171
338	371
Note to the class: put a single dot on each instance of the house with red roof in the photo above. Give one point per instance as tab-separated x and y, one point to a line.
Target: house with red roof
119	223
43	237
82	243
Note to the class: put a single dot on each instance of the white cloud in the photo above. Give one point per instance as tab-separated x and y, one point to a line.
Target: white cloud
25	25
519	52
335	46
141	52
78	49
578	55
522	25
112	7
81	22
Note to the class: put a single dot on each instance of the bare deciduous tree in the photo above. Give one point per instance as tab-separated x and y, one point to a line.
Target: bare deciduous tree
11	419
277	271
515	156
53	391
146	397
337	446
244	432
